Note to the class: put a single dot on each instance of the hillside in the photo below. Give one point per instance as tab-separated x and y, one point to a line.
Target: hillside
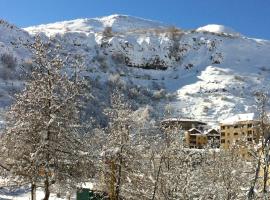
209	73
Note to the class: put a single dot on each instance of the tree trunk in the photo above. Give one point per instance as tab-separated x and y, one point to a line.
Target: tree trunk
48	140
68	196
119	175
266	168
33	191
157	178
112	181
47	190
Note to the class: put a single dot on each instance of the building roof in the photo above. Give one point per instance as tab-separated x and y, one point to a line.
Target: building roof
239	118
194	131
182	120
212	132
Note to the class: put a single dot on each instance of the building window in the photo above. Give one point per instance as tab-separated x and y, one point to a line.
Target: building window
223	141
222	133
228	141
249	125
249	139
249	132
235	126
222	127
235	133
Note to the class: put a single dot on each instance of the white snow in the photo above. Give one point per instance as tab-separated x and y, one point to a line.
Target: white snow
215	28
179	120
198	132
119	23
26	195
239	118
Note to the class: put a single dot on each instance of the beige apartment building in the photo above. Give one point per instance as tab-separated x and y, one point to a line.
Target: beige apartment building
241	130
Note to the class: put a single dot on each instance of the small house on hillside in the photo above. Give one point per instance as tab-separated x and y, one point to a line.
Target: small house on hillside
195	138
213	138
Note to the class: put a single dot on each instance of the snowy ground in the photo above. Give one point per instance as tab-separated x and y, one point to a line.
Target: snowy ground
25	194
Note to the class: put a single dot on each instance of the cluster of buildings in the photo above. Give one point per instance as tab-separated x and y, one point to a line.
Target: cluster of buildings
237	130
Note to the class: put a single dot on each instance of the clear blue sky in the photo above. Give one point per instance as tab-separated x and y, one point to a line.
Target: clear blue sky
250	17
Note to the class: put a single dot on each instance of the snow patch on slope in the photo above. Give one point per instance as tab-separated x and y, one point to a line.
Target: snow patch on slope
215	28
123	23
238	118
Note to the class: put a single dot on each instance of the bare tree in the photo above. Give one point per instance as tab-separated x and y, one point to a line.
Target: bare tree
41	140
262	156
122	153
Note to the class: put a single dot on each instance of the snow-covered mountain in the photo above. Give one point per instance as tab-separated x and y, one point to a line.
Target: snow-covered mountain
209	73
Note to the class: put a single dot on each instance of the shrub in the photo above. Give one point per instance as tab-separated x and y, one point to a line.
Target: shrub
175	36
8	60
107	32
239	78
205	109
114	78
102	62
134	93
175	33
156	85
159	94
224	98
118	58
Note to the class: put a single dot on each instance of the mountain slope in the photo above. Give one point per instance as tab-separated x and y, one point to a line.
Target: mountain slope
119	23
209	74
